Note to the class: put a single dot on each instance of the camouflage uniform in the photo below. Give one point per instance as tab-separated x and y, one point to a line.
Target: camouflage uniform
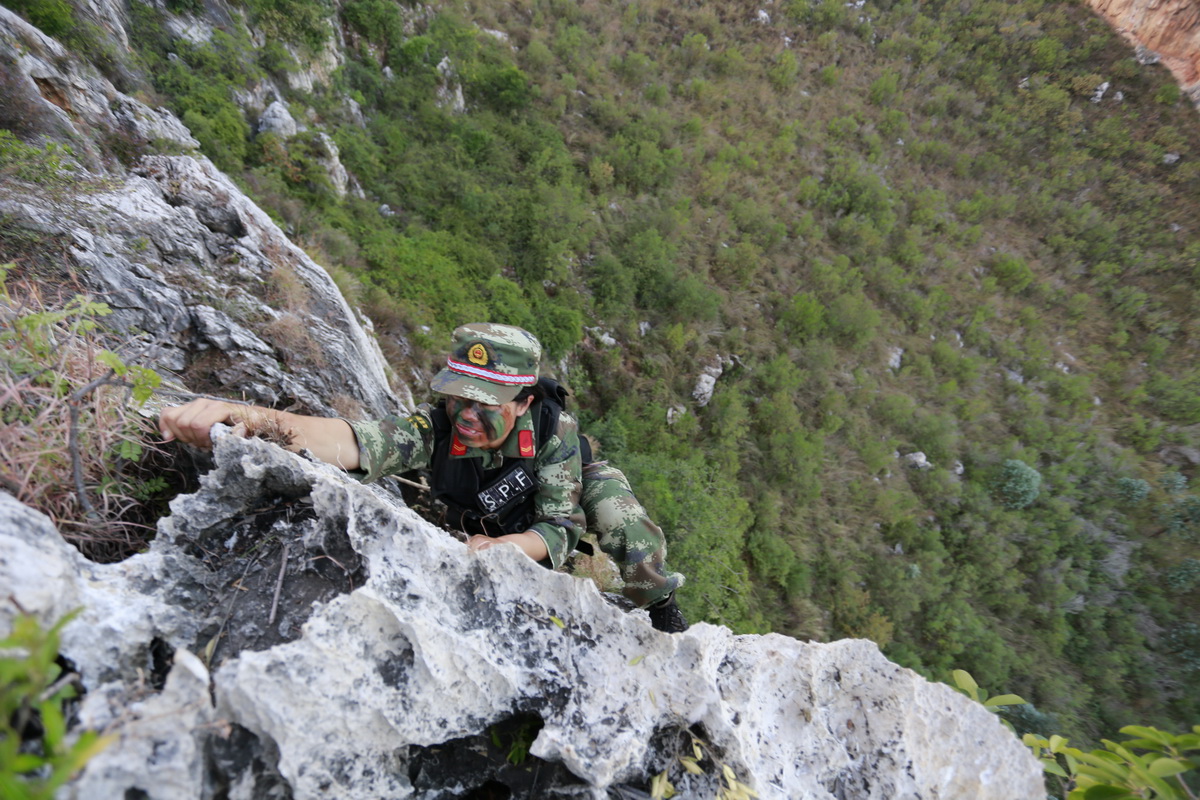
396	444
625	532
489	364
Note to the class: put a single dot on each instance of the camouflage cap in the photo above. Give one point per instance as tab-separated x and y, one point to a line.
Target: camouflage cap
489	363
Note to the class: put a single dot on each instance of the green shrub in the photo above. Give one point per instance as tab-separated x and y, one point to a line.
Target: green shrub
1132	491
804	317
1173	483
301	22
1168	94
50	165
1184	576
1012	272
1017	484
784	71
853	319
52	17
884	89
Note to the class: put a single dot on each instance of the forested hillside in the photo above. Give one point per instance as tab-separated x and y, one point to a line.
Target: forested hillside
964	230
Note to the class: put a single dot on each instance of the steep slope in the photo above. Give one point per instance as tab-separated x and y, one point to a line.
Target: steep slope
904	245
290	632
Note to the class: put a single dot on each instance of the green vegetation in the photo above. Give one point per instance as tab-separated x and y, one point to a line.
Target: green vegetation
930	176
73	446
1115	772
50	165
33	691
1017	484
1120	773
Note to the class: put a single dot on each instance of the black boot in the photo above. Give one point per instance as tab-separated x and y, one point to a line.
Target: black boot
665	616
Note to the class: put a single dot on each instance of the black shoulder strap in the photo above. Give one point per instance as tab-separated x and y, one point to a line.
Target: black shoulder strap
552	406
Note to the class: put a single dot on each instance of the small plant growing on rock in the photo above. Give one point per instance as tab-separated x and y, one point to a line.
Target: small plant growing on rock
51	166
71	445
35	755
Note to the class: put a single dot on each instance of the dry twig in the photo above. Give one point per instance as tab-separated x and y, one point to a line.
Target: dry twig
279	583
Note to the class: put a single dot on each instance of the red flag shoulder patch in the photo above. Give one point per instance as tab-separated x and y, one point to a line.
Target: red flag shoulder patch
525	443
457	448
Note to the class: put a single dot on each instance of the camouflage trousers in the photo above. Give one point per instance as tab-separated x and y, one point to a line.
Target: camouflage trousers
626	534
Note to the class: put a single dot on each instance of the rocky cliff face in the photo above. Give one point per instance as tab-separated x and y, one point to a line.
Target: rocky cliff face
1170	29
183	257
292	633
399	664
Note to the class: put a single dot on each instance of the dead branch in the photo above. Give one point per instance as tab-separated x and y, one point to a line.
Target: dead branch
279	583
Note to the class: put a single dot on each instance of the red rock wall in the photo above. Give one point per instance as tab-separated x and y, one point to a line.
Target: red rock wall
1170	28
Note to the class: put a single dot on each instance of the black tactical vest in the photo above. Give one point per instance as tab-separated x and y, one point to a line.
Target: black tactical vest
492	502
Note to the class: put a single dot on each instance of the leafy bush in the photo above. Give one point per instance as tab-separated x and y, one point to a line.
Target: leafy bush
300	22
33	690
1017	484
1012	272
1184	576
52	17
1132	491
1117	771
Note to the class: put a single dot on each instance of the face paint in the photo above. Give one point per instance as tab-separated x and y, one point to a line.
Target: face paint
494	422
480	425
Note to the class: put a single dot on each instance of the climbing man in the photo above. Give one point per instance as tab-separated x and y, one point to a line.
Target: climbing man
504	456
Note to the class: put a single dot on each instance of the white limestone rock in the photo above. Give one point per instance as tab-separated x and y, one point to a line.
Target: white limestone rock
277	119
706	381
437	643
171	242
160	737
63	97
331	161
450	91
319	68
602	336
917	460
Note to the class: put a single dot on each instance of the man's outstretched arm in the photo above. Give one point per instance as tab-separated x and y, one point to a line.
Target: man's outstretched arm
329	439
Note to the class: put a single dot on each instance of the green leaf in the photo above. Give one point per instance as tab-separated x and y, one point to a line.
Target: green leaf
964	681
558	622
53	724
1101	792
1103	771
1056	743
1153	734
637	660
1052	766
113	361
1005	700
1166	767
26	762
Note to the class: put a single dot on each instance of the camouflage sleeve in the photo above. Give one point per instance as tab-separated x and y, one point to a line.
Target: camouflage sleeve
393	444
560	519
